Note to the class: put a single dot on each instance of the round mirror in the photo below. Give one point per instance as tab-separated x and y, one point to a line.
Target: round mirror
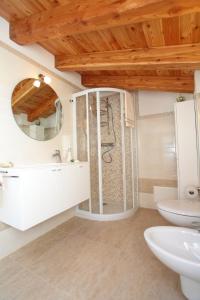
37	109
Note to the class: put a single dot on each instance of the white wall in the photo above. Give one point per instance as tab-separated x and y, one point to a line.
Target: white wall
156	142
152	102
18	63
157	152
14	144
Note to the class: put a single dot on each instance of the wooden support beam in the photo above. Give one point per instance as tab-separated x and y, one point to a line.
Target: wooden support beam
41	110
168	57
81	16
157	83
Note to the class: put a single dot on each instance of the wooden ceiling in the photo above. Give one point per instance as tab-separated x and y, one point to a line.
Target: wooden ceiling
131	44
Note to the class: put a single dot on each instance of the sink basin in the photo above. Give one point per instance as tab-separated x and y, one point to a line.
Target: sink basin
179	249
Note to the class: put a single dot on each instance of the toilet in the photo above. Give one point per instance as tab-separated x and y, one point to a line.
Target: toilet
184	213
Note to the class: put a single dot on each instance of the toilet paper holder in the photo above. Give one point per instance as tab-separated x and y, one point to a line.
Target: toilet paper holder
192	192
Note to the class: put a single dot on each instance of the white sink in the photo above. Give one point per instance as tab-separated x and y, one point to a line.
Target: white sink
179	249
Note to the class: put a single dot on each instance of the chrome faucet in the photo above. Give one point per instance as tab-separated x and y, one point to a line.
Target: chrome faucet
57	155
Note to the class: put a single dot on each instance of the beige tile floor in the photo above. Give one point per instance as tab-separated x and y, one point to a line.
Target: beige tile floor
88	260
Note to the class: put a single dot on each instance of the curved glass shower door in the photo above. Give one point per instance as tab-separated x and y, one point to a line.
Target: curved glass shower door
101	137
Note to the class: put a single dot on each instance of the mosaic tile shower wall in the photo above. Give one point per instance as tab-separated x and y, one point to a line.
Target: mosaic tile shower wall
81	131
94	169
112	172
111	161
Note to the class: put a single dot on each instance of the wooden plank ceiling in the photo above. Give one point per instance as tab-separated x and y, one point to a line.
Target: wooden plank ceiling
131	44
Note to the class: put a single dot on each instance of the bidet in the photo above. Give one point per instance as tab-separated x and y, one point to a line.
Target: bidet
179	249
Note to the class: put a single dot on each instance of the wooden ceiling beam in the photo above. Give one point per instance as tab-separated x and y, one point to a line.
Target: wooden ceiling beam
169	57
81	16
157	83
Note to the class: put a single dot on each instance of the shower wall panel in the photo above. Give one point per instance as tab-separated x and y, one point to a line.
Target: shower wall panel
112	172
93	149
81	129
81	132
128	166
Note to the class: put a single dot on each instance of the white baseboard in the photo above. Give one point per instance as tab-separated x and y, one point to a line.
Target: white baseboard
12	239
146	200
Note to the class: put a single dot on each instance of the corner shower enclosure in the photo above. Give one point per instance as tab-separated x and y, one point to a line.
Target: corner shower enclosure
101	138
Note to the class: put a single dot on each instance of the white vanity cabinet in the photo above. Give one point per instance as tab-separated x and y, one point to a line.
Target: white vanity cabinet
31	195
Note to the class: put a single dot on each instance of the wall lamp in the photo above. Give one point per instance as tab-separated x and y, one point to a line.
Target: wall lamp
41	78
